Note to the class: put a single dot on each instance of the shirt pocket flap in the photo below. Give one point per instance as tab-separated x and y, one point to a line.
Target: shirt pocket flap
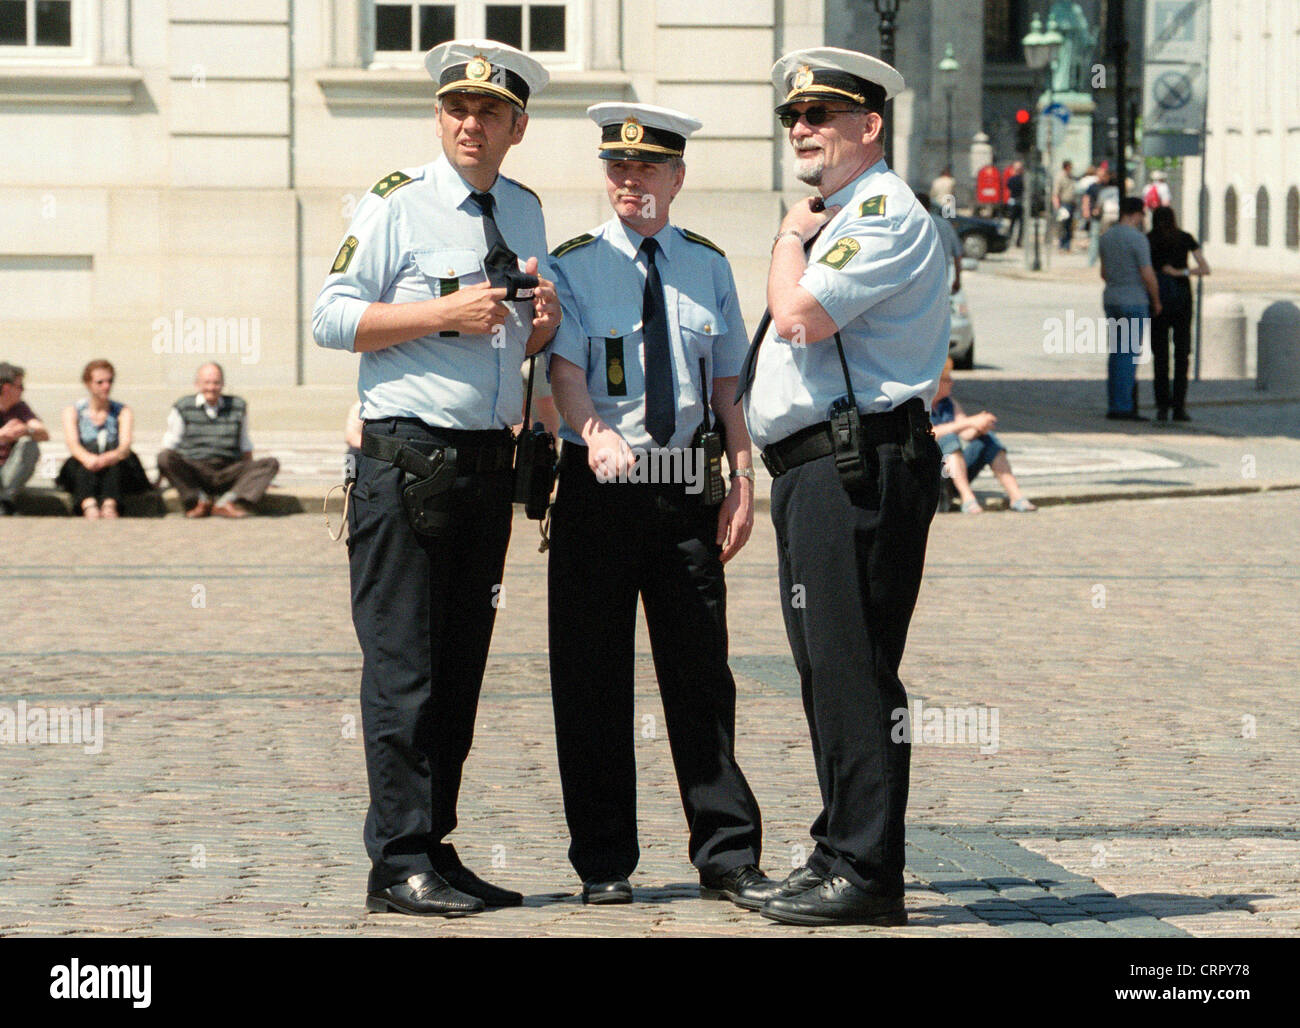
700	318
448	263
611	322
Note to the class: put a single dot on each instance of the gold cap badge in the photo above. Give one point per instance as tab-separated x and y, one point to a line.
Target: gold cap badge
478	69
632	131
803	78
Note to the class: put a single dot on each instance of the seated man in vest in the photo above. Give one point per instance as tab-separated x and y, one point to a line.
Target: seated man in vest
207	451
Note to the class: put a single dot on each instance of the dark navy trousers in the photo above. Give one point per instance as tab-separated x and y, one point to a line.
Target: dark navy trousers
423	611
610	544
850	571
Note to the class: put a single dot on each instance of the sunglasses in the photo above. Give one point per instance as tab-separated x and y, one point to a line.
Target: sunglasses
814	115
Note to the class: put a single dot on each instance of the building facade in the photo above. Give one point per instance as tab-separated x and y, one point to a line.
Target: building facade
1252	146
180	173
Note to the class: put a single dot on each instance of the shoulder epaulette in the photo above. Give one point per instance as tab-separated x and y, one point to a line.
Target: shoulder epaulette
695	237
389	183
525	189
573	244
872	205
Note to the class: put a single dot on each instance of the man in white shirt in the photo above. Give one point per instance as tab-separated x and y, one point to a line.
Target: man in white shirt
207	451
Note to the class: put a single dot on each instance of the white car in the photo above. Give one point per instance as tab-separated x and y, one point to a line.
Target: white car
961	340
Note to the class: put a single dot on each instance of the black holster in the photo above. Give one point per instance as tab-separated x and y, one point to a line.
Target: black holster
426	483
920	432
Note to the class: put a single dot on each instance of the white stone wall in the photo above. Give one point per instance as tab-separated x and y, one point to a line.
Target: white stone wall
1253	137
203	157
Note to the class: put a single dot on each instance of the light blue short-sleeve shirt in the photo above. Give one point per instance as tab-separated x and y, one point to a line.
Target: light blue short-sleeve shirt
417	236
600	279
1125	251
879	271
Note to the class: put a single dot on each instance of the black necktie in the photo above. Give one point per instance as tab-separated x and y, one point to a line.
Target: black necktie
660	405
748	369
491	233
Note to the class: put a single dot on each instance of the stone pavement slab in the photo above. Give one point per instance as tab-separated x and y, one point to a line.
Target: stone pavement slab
1133	774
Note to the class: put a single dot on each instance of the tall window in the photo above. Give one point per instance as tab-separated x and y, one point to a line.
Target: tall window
1293	218
402	31
1230	216
1205	214
35	25
1005	24
1261	217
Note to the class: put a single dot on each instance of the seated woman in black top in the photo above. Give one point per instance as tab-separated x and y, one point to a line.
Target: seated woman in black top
1170	246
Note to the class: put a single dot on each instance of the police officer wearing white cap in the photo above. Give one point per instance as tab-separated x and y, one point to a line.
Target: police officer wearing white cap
643	368
836	391
420	289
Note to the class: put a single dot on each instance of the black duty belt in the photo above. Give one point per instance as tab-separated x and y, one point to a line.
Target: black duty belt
472	458
815	441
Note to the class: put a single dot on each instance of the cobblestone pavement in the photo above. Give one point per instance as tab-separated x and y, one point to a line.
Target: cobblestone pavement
1139	778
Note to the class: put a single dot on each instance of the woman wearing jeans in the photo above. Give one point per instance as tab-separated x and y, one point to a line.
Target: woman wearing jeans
98	434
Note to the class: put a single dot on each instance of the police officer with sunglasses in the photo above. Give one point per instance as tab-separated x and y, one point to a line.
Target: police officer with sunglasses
836	389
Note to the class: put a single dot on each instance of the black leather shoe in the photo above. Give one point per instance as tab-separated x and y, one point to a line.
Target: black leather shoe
746	886
472	885
1181	415
609	888
425	895
1124	415
836	901
800	880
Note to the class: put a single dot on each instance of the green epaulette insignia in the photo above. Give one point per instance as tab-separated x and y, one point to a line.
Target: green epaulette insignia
390	182
695	237
573	244
841	253
872	205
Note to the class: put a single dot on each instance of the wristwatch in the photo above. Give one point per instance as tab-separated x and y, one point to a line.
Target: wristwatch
788	232
742	473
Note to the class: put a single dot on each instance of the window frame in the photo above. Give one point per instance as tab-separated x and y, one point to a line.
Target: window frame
80	51
471	19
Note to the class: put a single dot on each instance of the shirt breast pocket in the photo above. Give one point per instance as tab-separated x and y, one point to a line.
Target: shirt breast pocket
702	325
447	271
614	357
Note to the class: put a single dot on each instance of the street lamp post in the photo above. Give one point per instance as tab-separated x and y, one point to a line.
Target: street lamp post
1040	52
948	68
888	12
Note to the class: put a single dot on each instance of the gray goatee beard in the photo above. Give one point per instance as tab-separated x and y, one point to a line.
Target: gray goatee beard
810	172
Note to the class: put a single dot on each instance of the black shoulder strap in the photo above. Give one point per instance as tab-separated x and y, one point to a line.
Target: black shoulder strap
704	393
844	364
528	398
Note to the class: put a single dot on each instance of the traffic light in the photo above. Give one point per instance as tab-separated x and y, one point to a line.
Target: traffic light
1024	132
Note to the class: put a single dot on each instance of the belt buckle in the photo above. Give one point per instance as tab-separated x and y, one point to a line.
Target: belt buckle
772	462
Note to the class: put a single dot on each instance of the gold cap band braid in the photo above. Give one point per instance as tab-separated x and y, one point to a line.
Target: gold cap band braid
819	83
629	139
480	76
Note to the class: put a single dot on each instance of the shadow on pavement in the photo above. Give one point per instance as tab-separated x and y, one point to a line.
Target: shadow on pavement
1226	407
